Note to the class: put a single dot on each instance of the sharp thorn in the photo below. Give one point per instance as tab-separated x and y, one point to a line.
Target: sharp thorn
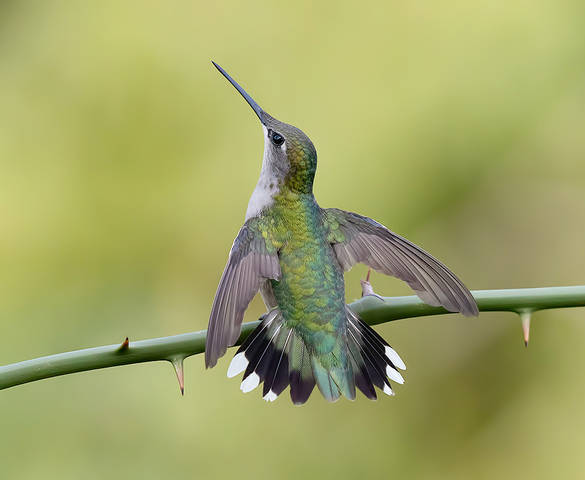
125	345
178	366
525	319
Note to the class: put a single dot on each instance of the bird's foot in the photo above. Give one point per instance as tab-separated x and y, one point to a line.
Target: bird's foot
367	289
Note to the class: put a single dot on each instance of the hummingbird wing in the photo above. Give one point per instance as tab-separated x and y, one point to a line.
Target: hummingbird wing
252	260
358	239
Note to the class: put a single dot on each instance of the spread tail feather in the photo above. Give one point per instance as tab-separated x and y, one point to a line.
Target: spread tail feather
277	356
375	362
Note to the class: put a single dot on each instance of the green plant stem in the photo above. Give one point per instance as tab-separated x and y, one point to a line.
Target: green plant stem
372	309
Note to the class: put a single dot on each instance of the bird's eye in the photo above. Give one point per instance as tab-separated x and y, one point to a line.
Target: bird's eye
277	139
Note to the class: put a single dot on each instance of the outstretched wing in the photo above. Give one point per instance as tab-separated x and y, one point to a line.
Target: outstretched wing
252	260
361	239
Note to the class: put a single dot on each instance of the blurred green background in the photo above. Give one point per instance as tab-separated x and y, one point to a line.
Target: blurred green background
126	164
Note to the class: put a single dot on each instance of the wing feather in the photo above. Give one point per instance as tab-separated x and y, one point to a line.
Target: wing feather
358	239
251	261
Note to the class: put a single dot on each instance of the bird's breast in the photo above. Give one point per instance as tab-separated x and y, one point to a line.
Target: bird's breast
311	290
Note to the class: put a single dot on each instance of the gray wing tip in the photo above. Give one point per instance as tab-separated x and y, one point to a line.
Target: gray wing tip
209	364
471	310
213	353
466	305
210	360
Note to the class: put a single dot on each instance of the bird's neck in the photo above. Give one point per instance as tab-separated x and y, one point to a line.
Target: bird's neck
271	192
282	185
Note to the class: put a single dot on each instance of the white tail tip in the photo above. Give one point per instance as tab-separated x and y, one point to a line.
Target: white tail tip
270	396
238	365
394	357
388	391
250	383
394	375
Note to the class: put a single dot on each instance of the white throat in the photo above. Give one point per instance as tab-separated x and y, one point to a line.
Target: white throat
267	186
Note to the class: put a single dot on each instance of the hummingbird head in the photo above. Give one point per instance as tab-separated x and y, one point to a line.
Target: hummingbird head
290	159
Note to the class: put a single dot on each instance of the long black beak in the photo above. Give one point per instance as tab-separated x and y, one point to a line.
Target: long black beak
248	98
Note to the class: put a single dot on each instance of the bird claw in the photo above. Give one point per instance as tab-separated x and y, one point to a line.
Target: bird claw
375	295
367	289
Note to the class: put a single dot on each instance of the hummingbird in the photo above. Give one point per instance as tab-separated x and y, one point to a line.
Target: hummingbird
295	253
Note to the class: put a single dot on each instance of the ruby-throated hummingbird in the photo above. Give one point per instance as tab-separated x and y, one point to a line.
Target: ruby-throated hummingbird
295	253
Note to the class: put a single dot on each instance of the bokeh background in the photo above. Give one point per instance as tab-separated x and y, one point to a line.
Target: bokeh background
126	163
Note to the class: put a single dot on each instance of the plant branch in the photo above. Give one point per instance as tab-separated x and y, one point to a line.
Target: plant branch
372	309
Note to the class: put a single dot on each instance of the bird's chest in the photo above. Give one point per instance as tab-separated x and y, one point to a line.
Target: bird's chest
311	285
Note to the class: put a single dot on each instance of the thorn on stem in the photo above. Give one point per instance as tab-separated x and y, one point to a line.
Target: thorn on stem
525	319
125	345
178	366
